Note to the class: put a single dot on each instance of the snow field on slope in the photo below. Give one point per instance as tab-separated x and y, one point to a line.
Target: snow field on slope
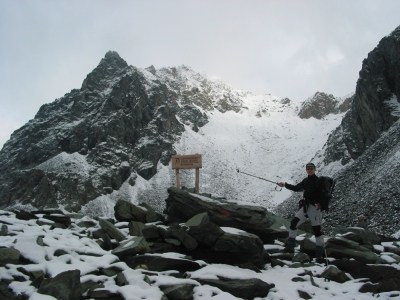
74	163
275	146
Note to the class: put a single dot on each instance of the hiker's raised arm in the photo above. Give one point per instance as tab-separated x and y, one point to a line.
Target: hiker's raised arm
295	188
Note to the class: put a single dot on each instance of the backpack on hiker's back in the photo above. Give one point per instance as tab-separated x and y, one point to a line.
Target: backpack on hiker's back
327	185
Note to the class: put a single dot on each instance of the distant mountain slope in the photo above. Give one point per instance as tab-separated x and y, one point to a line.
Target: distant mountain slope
266	139
113	138
322	104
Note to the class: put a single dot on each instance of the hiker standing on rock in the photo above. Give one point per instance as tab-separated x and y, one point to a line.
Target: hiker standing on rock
309	208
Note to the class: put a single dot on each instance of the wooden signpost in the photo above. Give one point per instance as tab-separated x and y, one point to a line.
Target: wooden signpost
187	162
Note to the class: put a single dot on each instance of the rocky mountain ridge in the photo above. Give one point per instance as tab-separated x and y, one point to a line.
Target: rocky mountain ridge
121	119
375	107
119	129
322	104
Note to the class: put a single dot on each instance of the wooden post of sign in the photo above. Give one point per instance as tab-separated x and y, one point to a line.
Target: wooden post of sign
197	183
187	162
178	180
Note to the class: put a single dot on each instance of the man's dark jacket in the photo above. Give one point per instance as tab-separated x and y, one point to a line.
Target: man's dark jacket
311	187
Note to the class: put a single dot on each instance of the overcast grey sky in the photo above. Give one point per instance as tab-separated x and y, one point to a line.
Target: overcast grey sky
286	48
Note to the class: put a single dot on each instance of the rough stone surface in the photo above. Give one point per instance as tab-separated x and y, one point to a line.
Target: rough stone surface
340	247
131	247
206	234
135	258
160	263
126	211
333	273
319	106
242	288
64	286
372	112
111	230
9	255
383	278
179	291
181	206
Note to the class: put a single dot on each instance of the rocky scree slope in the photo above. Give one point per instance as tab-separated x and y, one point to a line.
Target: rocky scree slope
367	187
123	121
367	144
185	254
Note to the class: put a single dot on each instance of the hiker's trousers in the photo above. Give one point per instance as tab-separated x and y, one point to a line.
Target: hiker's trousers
315	217
312	213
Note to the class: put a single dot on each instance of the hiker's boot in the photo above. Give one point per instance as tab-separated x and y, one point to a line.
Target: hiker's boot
289	245
319	255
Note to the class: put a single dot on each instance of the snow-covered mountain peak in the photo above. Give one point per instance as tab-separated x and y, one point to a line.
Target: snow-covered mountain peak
124	124
104	75
193	88
266	104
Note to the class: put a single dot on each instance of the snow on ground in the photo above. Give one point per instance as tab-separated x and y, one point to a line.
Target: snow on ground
86	255
65	162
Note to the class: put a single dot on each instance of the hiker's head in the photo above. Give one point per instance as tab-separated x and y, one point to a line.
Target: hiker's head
310	168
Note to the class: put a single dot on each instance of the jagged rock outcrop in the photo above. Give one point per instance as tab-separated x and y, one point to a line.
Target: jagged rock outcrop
322	104
182	205
381	278
64	286
375	106
123	121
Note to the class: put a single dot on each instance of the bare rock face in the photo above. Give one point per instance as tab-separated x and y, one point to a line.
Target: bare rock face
253	219
368	138
319	106
375	106
65	285
123	121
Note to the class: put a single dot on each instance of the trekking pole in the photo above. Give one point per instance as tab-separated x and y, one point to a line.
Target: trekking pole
258	178
326	257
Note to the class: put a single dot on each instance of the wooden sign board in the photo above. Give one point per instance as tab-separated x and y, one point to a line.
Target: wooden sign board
186	161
